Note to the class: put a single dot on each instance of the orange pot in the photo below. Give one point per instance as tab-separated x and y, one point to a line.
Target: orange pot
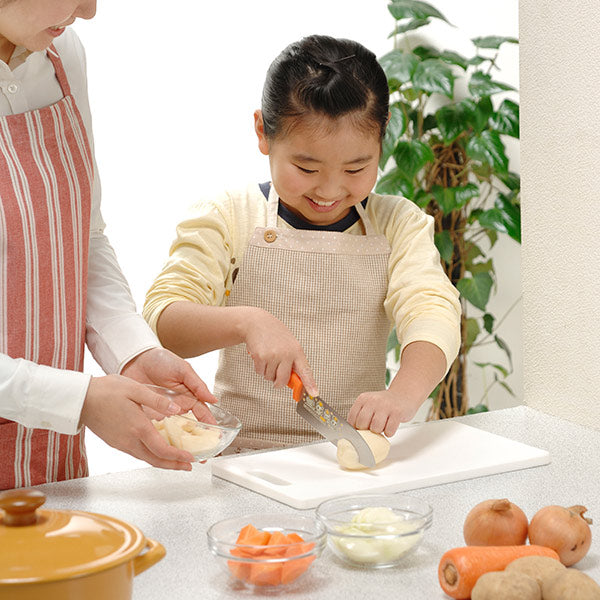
59	554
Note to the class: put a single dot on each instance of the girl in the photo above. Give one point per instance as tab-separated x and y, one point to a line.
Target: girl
308	272
60	284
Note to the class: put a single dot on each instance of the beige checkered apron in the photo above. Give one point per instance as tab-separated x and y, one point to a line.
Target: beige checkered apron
328	288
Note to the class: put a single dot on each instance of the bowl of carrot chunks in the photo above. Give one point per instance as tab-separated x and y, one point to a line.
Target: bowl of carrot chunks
267	550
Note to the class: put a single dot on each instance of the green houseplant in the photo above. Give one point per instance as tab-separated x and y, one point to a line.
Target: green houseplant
451	161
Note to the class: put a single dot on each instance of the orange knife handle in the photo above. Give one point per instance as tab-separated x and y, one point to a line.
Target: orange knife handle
295	383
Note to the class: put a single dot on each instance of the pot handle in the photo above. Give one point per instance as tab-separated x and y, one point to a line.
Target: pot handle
155	551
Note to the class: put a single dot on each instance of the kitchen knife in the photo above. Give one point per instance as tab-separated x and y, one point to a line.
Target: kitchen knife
327	422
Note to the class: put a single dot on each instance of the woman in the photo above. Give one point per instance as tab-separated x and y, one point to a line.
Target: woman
60	284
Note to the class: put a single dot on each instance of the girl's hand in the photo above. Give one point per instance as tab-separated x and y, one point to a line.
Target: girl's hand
112	409
276	352
381	412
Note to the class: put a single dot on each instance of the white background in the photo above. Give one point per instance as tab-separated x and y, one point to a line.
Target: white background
173	87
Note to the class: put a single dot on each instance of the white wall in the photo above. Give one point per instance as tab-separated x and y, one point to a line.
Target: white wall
172	93
560	124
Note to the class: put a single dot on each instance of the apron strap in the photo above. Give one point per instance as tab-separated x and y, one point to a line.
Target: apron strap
59	70
273	206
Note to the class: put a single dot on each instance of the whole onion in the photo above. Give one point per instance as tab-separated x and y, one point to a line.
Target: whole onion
565	530
495	523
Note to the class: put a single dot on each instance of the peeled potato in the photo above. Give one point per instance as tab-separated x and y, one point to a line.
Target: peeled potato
348	457
185	435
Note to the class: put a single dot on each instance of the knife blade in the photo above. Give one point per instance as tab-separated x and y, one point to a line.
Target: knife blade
327	422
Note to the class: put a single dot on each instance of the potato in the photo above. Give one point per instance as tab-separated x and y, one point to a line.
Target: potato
348	458
570	584
500	585
538	567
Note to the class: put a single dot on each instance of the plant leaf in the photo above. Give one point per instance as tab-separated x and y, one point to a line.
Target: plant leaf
502	344
395	183
453	198
395	128
507	388
392	341
410	26
506	119
477	113
511	180
487	147
476	290
444	244
498	367
454	58
479	408
488	322
422	198
414	9
434	76
473	331
398	65
493	41
480	267
510	214
452	121
482	84
412	156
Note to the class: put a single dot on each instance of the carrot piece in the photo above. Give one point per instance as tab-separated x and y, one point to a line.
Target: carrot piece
294	538
265	574
276	545
246	549
460	568
246	531
241	570
292	569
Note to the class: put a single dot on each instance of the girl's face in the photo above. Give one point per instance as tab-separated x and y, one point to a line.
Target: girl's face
35	23
322	167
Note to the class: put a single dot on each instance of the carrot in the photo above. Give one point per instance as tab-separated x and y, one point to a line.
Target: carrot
265	574
276	544
292	569
460	568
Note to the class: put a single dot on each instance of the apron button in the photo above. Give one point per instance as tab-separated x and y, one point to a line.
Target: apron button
270	236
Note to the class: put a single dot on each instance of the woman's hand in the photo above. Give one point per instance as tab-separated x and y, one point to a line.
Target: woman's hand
112	409
275	351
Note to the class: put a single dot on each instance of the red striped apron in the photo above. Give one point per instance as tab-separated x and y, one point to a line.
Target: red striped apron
46	177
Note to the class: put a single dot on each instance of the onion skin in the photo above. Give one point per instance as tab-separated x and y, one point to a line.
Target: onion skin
495	523
565	530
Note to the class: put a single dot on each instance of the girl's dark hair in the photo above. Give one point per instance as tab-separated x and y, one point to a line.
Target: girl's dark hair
327	76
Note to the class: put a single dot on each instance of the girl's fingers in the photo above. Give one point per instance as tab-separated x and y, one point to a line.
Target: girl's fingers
308	380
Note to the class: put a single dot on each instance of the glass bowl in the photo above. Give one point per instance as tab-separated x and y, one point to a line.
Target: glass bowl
202	440
374	530
267	550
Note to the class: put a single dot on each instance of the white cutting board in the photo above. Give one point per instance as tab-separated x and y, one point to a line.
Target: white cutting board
422	454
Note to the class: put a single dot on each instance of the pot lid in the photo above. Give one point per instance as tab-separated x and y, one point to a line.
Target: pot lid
46	545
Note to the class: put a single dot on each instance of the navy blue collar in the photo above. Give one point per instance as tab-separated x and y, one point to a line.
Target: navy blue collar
299	223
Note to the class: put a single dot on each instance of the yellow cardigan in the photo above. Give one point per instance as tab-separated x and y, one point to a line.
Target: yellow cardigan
210	244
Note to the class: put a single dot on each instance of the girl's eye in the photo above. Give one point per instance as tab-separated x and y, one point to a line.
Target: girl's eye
305	170
354	171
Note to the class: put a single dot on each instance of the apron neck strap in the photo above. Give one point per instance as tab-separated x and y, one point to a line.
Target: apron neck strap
273	206
59	70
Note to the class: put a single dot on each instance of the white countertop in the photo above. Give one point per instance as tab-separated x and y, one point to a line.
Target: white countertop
176	509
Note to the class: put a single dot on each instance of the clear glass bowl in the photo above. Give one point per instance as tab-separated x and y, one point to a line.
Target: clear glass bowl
202	440
374	530
272	566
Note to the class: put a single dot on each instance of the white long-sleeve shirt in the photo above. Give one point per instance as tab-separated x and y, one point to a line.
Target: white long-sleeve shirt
37	395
